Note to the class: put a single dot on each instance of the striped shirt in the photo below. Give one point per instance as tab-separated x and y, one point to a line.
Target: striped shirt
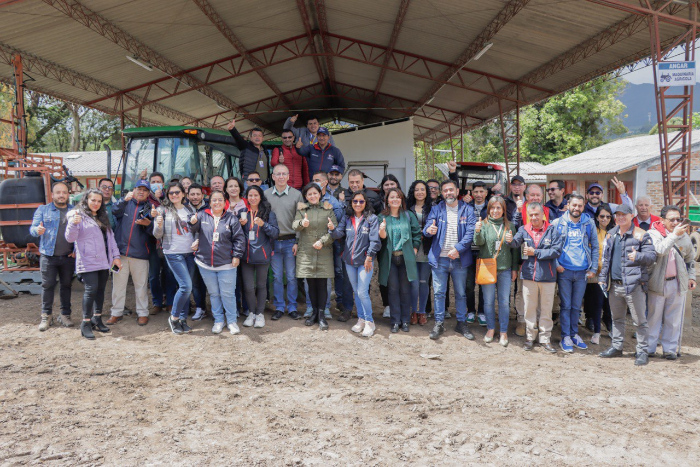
451	233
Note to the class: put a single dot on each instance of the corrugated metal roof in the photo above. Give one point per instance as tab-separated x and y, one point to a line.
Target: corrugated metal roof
88	163
440	30
619	156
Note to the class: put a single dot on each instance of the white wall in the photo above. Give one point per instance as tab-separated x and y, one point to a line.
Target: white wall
391	143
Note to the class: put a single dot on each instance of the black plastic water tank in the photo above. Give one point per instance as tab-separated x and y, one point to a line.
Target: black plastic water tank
24	190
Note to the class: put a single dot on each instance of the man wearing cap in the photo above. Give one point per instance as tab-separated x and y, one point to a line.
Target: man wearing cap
644	218
517	188
335	176
308	135
322	155
556	204
594	195
287	155
134	236
628	252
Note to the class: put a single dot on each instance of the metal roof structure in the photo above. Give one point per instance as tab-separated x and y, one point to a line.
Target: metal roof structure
619	156
88	163
450	65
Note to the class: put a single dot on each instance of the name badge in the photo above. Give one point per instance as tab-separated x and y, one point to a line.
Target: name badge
251	235
215	237
262	164
498	245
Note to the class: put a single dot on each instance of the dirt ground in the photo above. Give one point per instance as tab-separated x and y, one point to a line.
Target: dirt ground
292	395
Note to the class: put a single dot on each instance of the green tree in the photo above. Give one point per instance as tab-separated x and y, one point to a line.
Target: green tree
677	121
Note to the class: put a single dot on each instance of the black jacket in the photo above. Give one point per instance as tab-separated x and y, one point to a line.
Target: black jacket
231	239
133	240
249	155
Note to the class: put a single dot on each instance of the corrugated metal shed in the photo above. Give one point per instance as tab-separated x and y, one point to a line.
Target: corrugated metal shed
616	157
362	61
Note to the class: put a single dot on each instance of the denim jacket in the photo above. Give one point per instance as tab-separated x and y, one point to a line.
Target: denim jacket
50	216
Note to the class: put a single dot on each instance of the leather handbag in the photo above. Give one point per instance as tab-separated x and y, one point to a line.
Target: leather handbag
487	269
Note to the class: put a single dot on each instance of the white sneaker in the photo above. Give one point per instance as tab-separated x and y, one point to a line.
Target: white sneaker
199	314
387	312
233	328
217	328
259	321
359	326
369	329
250	320
595	339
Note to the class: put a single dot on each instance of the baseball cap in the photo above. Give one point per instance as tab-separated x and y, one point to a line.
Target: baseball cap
624	209
594	185
142	183
335	168
323	130
517	178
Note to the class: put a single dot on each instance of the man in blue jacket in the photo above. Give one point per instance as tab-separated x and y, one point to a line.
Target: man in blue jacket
577	263
451	222
135	241
322	155
57	258
539	274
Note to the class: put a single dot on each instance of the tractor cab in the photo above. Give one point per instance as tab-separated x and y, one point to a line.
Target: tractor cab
489	173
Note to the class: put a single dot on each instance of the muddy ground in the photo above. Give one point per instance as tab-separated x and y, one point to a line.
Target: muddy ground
292	395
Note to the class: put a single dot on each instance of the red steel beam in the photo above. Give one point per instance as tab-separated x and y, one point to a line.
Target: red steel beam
400	16
611	36
228	33
655	10
100	25
507	13
306	22
41	67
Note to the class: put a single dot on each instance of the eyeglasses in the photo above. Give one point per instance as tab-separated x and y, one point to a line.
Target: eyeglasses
594	193
288	137
358	201
676	220
281	174
253	180
177	192
604	216
106	187
216	201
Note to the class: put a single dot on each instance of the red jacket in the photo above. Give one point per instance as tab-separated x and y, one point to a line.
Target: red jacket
297	165
652	219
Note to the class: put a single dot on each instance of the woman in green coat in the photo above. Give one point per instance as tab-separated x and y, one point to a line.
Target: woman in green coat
494	236
315	250
401	237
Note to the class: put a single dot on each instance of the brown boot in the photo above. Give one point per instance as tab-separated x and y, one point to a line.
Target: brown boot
156	309
520	329
143	320
414	319
113	320
422	319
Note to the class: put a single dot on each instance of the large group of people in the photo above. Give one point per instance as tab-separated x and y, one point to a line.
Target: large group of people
289	214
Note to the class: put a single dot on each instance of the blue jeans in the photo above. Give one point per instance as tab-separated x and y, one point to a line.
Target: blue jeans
502	286
445	269
399	290
284	264
199	290
360	279
572	287
182	266
420	289
157	276
222	293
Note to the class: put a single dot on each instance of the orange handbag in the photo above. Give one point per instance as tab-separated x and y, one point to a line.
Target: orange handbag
486	268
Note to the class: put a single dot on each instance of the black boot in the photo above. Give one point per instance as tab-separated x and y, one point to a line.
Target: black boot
86	330
322	323
98	324
313	318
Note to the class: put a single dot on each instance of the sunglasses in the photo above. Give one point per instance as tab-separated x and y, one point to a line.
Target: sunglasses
288	137
594	193
178	192
553	189
604	216
358	201
106	187
253	180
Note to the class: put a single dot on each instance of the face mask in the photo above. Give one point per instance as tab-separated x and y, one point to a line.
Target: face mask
156	186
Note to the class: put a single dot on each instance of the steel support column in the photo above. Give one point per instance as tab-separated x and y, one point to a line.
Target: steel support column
675	149
19	121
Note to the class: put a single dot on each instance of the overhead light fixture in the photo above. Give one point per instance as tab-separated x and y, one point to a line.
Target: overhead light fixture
137	61
486	48
680	2
430	100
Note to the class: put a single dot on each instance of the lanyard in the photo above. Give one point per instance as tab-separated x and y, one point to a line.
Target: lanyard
498	232
216	226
